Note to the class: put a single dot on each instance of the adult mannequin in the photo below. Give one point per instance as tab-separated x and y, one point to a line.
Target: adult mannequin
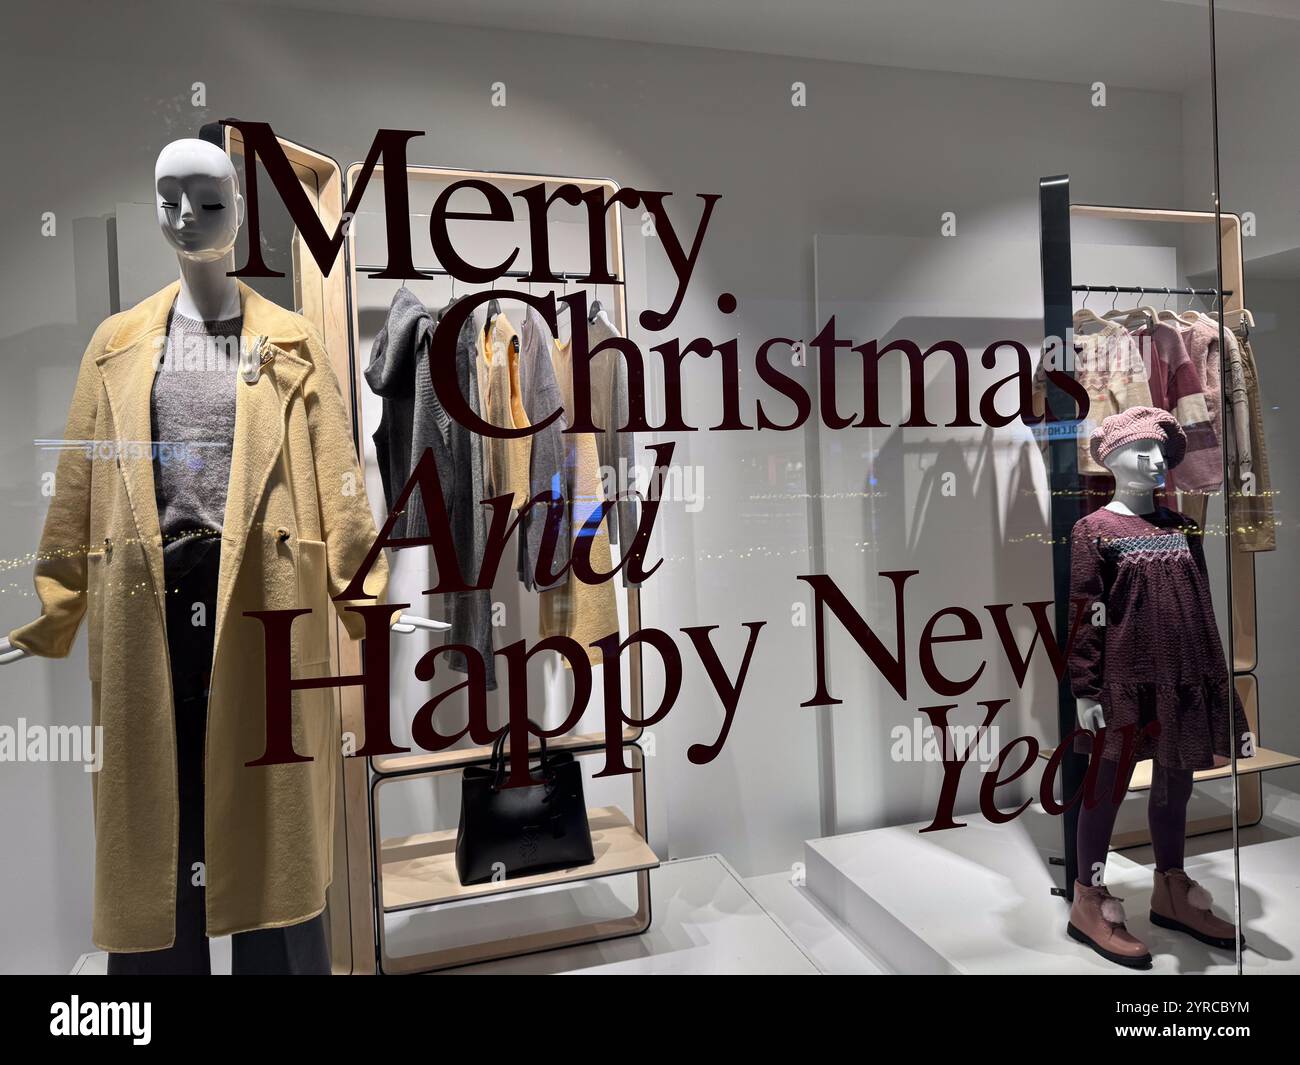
254	842
1150	682
200	211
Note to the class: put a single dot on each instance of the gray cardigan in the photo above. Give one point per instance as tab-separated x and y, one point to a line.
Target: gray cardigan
412	419
541	396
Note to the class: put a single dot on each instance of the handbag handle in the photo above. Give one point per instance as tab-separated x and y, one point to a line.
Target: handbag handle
497	765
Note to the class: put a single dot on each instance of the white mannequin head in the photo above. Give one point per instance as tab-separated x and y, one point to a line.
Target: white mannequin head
1138	466
196	191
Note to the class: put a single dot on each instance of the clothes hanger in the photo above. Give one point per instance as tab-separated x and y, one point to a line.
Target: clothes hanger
1192	316
523	283
1125	318
1086	316
450	303
593	312
1241	319
563	312
1165	313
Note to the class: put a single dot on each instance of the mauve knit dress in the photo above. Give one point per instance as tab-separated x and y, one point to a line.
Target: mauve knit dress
1158	656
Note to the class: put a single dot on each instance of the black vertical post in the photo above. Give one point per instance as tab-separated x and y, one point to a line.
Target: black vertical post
1066	503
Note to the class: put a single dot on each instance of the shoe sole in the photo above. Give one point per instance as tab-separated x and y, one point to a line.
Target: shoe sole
1142	962
1222	942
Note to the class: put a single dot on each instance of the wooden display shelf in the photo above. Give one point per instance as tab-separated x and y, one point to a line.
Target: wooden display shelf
418	872
1262	761
421	870
515	945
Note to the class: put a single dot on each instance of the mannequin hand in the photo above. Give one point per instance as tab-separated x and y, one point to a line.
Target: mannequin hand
10	653
1089	714
407	623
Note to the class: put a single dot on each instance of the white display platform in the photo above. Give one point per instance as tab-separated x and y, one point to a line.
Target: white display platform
831	945
972	900
978	900
704	922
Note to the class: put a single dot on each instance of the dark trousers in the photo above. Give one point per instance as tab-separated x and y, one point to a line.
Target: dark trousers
301	949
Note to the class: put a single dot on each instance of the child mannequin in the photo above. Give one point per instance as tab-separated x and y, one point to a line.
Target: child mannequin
1150	681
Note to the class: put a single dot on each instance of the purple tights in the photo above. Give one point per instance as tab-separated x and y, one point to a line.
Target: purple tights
1167	821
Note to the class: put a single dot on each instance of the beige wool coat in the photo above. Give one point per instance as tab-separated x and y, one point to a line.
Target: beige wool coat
297	526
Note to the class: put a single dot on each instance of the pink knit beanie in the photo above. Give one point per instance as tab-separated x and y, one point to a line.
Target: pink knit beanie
1139	423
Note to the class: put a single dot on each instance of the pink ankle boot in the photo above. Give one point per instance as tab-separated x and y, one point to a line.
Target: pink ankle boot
1180	903
1097	921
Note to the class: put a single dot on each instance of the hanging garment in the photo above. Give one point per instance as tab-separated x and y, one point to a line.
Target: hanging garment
616	450
585	612
507	461
413	419
1178	386
1238	397
1200	337
541	396
1253	518
290	540
1108	364
1158	656
470	613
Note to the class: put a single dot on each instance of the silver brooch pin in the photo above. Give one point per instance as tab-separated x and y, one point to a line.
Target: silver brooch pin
257	356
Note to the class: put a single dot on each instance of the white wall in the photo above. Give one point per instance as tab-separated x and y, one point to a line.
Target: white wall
877	151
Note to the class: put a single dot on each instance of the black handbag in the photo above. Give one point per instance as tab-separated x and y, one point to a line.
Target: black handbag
511	832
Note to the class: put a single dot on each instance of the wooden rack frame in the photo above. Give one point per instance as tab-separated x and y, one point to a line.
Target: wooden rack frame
408	762
323	300
360	893
1056	211
398	865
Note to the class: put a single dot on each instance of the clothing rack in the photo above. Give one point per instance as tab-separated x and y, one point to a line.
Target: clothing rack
1142	290
1056	211
438	271
416	872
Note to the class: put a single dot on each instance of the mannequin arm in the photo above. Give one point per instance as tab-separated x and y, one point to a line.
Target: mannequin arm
1090	714
1088	586
407	623
10	653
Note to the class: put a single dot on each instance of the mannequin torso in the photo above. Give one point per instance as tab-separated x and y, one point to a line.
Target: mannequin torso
1139	469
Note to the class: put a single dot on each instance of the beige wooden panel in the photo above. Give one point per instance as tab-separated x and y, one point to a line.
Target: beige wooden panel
323	300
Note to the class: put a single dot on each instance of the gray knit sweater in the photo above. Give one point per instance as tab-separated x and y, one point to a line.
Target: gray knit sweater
193	416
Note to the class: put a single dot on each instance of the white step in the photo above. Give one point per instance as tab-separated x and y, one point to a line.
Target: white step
978	899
